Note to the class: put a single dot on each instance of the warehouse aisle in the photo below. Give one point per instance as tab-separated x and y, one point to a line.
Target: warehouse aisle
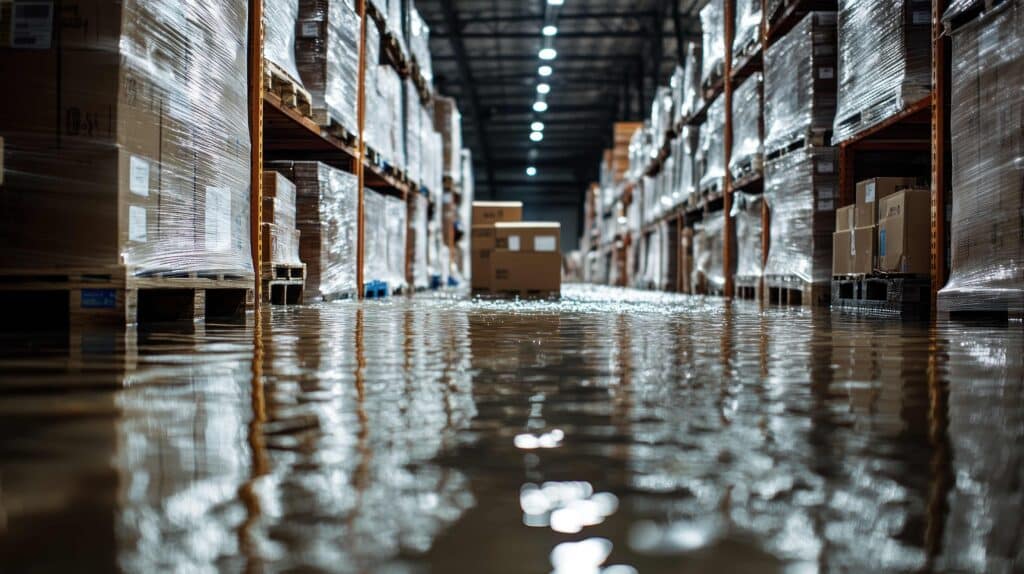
614	427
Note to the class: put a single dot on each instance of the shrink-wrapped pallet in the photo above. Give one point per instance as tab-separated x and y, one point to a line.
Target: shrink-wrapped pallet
746	210
746	30
747	150
691	91
126	144
280	231
884	61
419	44
448	122
712	20
413	133
326	215
279	18
420	221
687	181
375	255
661	118
800	83
327	54
396	214
801	189
987	120
708	275
711	150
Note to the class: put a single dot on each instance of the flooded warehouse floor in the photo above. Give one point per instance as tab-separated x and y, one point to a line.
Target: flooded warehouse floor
613	431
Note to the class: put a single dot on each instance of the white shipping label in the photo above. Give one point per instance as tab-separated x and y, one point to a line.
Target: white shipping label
826	73
544	243
513	243
138	177
869	192
218	218
32	25
310	29
136	223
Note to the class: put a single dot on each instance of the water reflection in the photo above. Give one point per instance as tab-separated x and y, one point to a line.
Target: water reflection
611	432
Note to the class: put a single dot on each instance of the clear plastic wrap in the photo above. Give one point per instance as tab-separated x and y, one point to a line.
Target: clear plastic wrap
676	83
801	189
419	44
279	19
692	94
413	132
420	267
661	118
127	146
687	182
987	116
375	126
708	273
375	255
746	210
747	151
711	151
386	112
712	20
396	214
800	82
448	121
884	61
327	204
327	54
747	30
639	149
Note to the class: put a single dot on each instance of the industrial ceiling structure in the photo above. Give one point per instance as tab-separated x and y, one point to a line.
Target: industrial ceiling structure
540	82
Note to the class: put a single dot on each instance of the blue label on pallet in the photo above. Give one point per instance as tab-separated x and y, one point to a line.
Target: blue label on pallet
99	298
881	242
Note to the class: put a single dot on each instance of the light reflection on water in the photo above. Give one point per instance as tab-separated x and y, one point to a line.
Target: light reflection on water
612	431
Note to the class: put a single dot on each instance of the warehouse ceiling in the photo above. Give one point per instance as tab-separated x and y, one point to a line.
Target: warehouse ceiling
486	53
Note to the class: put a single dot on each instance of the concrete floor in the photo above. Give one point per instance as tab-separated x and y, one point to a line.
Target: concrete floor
612	431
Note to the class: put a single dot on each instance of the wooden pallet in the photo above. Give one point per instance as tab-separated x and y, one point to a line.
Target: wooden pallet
291	92
980	304
791	290
799	140
331	127
896	294
888	106
118	296
712	188
748	288
745	168
283	283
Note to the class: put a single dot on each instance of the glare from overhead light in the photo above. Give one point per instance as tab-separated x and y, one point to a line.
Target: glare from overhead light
540	107
537	126
531	171
549	30
537	136
543	88
544	71
555	2
547	54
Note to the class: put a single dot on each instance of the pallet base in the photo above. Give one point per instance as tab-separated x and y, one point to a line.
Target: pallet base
283	283
796	291
980	304
291	92
113	297
901	295
748	288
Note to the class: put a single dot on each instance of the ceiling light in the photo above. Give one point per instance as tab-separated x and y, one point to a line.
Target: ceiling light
543	88
544	71
531	171
536	136
547	54
537	126
549	30
540	107
555	2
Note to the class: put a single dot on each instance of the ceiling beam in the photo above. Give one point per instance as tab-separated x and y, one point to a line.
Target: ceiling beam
451	19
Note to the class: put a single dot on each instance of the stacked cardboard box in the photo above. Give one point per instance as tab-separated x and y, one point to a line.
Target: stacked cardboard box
485	215
327	55
526	257
280	234
890	204
622	133
126	136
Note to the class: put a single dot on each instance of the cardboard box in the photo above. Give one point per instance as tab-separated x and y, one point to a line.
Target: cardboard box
526	271
842	251
845	218
863	250
481	246
486	212
870	191
531	236
904	232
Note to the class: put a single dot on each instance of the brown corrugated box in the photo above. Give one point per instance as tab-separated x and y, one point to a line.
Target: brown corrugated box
904	232
845	218
526	257
870	191
862	257
485	215
841	252
485	212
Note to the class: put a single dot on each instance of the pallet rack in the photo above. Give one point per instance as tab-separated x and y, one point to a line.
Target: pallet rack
282	132
923	126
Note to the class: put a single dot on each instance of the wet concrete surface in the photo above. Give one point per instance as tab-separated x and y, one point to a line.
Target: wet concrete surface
612	431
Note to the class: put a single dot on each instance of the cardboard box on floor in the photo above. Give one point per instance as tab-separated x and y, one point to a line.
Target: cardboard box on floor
904	232
526	257
485	215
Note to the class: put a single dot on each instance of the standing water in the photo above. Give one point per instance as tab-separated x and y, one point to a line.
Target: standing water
612	431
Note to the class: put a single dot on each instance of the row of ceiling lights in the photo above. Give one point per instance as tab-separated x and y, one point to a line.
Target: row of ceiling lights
547	53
